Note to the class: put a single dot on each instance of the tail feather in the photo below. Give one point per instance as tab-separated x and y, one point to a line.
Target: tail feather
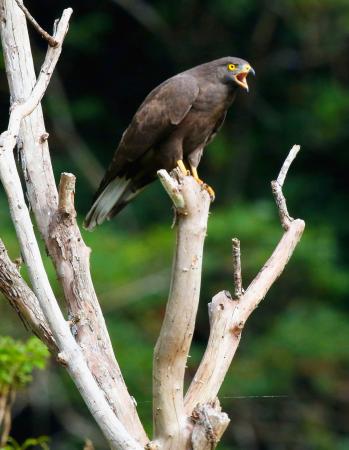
107	202
126	198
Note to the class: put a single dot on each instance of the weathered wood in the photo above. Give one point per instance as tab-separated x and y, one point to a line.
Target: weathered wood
23	300
68	251
172	347
238	289
69	350
193	423
228	318
209	425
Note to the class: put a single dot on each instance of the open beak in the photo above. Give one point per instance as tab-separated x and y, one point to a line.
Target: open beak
240	78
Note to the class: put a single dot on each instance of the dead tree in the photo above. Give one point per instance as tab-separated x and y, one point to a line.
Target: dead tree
182	420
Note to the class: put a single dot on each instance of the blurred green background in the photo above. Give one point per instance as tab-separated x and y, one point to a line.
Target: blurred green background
288	387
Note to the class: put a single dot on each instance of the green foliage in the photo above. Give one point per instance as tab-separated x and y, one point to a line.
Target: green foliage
19	359
294	344
40	442
87	108
292	348
88	31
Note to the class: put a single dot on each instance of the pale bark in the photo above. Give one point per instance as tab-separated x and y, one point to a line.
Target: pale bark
173	189
63	241
195	422
228	316
277	185
172	347
238	289
70	352
209	425
23	299
174	426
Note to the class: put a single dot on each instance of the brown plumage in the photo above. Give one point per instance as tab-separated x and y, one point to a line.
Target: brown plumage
174	123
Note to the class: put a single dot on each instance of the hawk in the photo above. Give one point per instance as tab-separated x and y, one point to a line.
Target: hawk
171	128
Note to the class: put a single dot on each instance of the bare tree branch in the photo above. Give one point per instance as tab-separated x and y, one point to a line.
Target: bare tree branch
70	352
172	188
66	193
23	299
287	164
20	110
195	422
277	185
44	34
63	239
209	425
280	200
237	268
172	347
228	318
219	352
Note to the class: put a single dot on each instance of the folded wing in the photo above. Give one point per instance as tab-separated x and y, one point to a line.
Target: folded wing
162	110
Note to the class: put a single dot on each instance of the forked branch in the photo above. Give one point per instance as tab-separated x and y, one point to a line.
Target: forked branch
177	425
69	351
59	230
194	422
228	316
52	42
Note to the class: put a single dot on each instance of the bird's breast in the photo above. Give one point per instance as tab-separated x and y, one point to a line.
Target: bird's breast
201	120
196	129
214	98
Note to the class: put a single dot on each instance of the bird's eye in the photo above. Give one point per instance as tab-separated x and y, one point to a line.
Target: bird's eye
231	66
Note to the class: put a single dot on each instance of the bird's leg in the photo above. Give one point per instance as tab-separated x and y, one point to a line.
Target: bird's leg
182	167
195	174
205	186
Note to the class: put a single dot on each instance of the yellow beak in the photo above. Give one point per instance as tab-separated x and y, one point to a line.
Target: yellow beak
240	78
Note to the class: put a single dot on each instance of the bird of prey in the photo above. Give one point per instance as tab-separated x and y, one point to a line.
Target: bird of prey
170	129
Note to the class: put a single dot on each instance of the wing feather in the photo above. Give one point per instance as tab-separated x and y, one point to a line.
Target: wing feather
163	109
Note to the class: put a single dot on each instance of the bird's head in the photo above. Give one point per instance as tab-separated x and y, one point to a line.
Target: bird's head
232	70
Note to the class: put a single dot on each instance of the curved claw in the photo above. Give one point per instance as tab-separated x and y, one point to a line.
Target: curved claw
203	184
210	191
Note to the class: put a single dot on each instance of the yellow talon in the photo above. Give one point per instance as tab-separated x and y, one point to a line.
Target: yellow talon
182	167
210	191
204	185
195	174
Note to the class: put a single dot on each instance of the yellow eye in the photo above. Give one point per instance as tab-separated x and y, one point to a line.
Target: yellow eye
231	66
